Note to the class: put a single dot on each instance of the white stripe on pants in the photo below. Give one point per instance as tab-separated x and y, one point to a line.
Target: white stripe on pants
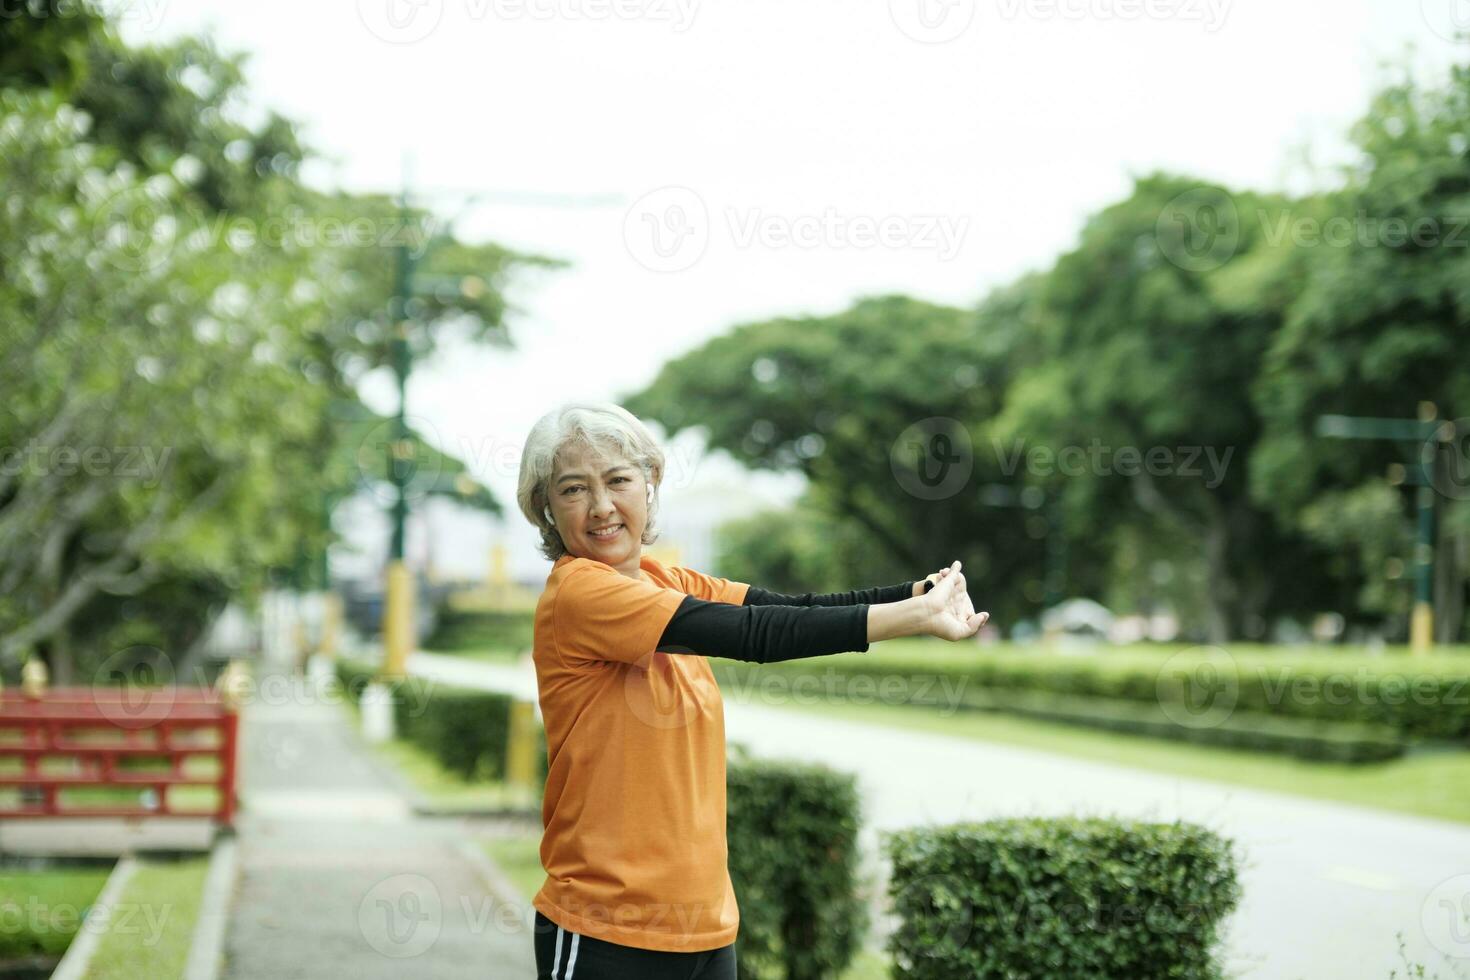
571	960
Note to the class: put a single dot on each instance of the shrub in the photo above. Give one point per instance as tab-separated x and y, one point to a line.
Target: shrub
792	831
1060	898
467	731
461	630
353	676
1346	706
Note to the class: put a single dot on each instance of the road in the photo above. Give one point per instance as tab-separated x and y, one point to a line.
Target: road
1326	885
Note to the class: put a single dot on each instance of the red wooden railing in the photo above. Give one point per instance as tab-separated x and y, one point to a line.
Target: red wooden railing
65	739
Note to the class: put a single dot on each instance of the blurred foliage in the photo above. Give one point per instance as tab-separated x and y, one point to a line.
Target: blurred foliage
481	631
1377	328
830	397
184	326
176	302
1211	325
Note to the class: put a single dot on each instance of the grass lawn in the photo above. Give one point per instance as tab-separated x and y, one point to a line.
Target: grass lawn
153	923
519	857
41	910
1429	785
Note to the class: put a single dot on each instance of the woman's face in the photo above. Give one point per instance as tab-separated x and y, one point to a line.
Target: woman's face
593	490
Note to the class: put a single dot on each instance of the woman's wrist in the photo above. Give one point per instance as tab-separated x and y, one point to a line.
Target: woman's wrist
894	619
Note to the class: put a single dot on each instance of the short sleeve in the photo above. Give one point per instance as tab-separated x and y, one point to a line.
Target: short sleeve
710	588
605	615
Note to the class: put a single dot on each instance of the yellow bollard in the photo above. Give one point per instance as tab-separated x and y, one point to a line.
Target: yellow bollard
397	621
1421	628
520	754
33	678
232	685
331	624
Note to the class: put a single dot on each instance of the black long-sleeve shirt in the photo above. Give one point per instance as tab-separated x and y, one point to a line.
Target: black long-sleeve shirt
771	627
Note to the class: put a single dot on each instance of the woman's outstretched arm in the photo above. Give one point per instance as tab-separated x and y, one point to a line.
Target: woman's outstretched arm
773	633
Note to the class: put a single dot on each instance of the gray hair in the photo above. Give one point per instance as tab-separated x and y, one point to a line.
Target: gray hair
599	426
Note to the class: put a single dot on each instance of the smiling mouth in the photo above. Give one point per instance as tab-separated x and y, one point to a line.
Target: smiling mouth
608	534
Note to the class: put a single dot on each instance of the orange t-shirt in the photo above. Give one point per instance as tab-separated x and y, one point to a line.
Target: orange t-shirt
634	813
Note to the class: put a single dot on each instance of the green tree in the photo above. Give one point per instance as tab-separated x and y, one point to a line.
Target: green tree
842	399
171	288
1143	349
1378	325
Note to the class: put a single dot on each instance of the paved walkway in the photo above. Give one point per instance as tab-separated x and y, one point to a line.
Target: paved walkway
1327	885
338	878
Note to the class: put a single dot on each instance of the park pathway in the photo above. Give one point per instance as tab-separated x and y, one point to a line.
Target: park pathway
337	877
1327	885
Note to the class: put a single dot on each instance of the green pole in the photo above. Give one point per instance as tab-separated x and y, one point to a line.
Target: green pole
398	459
398	632
1420	431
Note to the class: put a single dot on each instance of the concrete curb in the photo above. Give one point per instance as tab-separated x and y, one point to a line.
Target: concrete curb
206	952
499	886
79	954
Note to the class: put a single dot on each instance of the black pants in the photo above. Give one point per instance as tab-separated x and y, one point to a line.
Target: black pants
565	955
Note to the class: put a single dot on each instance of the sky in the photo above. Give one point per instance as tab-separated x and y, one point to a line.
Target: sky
703	165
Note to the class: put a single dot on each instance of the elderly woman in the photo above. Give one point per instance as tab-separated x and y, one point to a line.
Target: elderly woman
634	814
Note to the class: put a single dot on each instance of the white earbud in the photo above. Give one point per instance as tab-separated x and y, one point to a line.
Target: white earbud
548	517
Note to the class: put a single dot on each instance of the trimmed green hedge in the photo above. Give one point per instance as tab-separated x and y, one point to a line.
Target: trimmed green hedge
467	731
457	631
1060	898
793	855
353	676
1348	707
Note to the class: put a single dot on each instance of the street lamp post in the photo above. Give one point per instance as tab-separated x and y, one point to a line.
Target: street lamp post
1423	433
398	600
398	612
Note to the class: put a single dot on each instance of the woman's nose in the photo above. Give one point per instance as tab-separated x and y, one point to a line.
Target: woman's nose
601	501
